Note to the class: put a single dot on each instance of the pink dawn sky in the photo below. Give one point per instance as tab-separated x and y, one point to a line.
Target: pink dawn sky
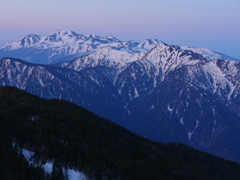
213	24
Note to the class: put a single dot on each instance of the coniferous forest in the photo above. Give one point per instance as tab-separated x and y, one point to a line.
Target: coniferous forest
74	137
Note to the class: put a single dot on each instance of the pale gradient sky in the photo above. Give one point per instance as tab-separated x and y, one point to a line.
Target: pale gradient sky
213	24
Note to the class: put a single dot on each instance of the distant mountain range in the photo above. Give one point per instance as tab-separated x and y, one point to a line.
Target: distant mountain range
67	45
162	92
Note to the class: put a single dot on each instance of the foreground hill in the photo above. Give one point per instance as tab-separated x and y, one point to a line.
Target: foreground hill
35	132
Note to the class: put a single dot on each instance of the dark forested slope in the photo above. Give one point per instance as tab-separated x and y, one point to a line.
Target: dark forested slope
74	137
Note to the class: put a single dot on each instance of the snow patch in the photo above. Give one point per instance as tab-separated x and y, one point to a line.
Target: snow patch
170	109
181	121
136	92
76	175
48	167
28	155
192	132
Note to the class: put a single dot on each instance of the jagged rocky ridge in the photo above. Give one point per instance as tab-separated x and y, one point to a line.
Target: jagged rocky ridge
166	94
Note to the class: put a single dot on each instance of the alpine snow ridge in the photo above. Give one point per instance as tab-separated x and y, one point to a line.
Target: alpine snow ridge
166	93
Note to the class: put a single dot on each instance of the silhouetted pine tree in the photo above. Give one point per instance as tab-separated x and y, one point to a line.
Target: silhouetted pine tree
57	172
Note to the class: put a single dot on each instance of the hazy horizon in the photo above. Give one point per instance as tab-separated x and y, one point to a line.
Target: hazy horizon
208	24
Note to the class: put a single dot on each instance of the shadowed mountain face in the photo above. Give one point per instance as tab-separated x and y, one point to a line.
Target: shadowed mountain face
35	132
165	94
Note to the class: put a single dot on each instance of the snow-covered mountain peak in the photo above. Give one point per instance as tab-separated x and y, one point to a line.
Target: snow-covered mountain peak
130	44
60	36
106	57
165	50
32	36
209	54
66	33
148	44
160	47
152	41
112	38
167	58
115	57
27	41
94	36
108	52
